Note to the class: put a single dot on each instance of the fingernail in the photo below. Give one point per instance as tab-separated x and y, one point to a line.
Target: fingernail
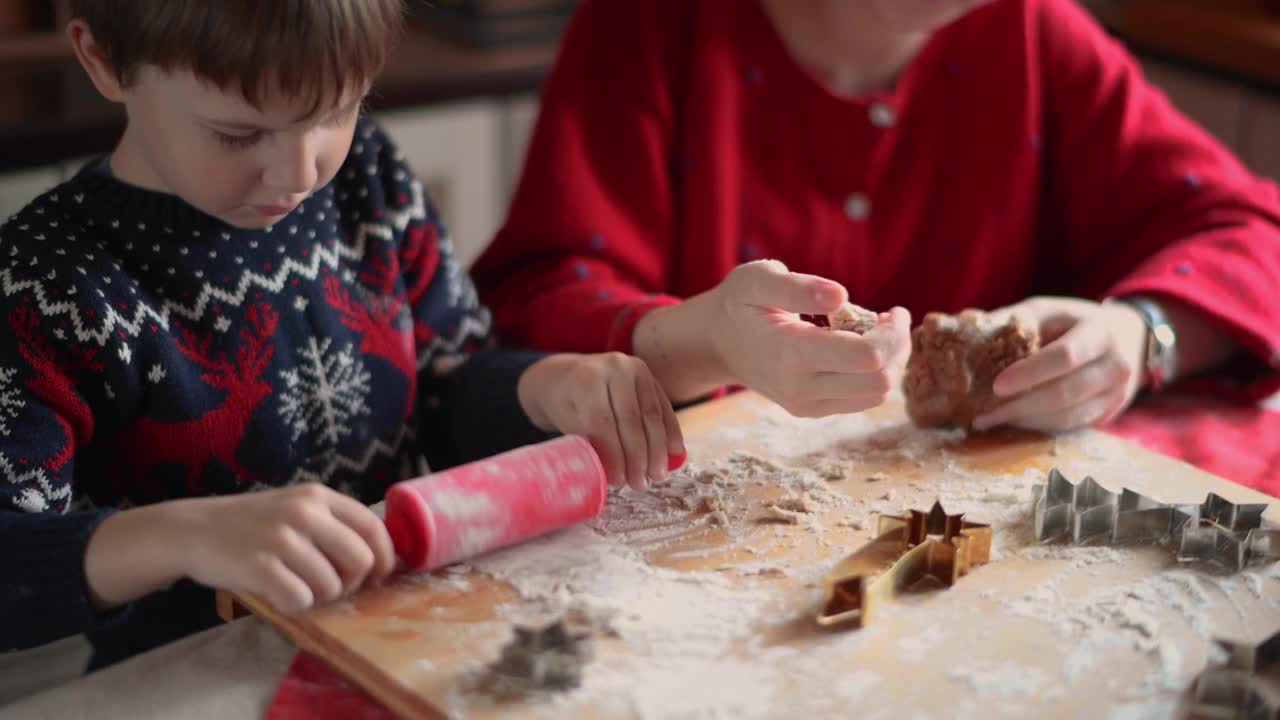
675	460
981	423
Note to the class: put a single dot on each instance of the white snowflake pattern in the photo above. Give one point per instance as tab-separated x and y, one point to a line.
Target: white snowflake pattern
325	392
11	401
221	324
300	303
156	374
32	490
127	355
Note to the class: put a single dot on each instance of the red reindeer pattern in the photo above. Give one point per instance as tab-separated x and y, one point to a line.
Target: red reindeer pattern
56	373
376	321
216	434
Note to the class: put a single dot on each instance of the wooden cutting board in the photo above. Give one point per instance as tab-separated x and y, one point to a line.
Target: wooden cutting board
409	642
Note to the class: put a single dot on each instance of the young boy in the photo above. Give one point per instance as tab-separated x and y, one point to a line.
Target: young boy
250	293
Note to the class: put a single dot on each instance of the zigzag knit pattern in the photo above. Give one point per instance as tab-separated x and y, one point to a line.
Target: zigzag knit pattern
160	353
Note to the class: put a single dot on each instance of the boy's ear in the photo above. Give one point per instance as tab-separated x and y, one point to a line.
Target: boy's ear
94	61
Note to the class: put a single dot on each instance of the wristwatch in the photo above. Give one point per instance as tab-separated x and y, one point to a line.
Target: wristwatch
1162	342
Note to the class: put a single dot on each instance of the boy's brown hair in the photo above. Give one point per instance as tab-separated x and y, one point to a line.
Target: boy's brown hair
315	50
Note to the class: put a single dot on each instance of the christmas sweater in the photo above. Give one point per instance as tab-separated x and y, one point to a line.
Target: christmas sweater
157	353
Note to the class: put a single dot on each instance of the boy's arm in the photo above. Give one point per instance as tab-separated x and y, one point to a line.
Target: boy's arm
44	420
1146	203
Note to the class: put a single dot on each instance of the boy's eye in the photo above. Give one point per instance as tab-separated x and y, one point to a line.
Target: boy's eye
238	142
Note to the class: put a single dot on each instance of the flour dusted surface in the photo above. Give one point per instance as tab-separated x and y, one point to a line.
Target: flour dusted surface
702	591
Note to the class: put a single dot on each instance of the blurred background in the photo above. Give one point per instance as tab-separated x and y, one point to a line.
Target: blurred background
460	93
460	96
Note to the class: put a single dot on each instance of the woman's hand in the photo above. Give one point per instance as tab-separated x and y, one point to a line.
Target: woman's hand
1088	370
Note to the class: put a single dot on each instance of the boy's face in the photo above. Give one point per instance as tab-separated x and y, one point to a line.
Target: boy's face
247	166
912	16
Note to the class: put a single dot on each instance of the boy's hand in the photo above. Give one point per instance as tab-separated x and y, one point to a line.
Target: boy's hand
297	547
1087	372
613	400
762	343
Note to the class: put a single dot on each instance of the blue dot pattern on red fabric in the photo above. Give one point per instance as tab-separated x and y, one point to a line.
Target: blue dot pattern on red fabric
1191	179
754	74
581	271
1183	268
602	294
597	242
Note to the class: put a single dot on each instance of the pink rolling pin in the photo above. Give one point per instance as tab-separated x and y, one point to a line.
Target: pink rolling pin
439	519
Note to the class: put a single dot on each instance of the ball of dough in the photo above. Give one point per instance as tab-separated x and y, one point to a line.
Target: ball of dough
955	359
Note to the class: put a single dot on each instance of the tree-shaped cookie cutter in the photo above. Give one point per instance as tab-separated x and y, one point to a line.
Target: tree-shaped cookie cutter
906	550
1216	530
1246	687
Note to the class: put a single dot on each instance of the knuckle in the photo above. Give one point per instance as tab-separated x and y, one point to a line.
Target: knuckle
305	514
364	561
313	490
289	601
263	565
279	539
333	589
881	384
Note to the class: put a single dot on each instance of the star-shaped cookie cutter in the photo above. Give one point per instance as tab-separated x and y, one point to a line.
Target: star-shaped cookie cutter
905	551
1246	687
1216	530
550	657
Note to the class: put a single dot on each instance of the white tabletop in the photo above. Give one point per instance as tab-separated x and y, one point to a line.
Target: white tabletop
225	673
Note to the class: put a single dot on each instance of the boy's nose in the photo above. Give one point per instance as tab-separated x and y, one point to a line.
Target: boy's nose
294	169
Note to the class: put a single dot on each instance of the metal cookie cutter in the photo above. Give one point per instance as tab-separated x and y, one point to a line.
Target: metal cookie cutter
906	550
1229	534
1247	687
1215	530
542	658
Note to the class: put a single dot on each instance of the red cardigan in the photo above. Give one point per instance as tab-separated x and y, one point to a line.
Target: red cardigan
1020	153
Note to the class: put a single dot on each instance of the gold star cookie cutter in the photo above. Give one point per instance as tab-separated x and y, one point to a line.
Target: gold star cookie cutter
906	550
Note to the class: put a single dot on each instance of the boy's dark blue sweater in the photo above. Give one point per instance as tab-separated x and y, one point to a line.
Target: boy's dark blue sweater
157	353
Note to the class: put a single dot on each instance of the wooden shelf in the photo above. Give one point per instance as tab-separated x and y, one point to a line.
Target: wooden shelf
1236	37
50	112
33	47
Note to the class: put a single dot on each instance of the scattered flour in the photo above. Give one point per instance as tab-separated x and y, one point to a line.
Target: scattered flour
1149	710
693	638
916	648
1007	680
